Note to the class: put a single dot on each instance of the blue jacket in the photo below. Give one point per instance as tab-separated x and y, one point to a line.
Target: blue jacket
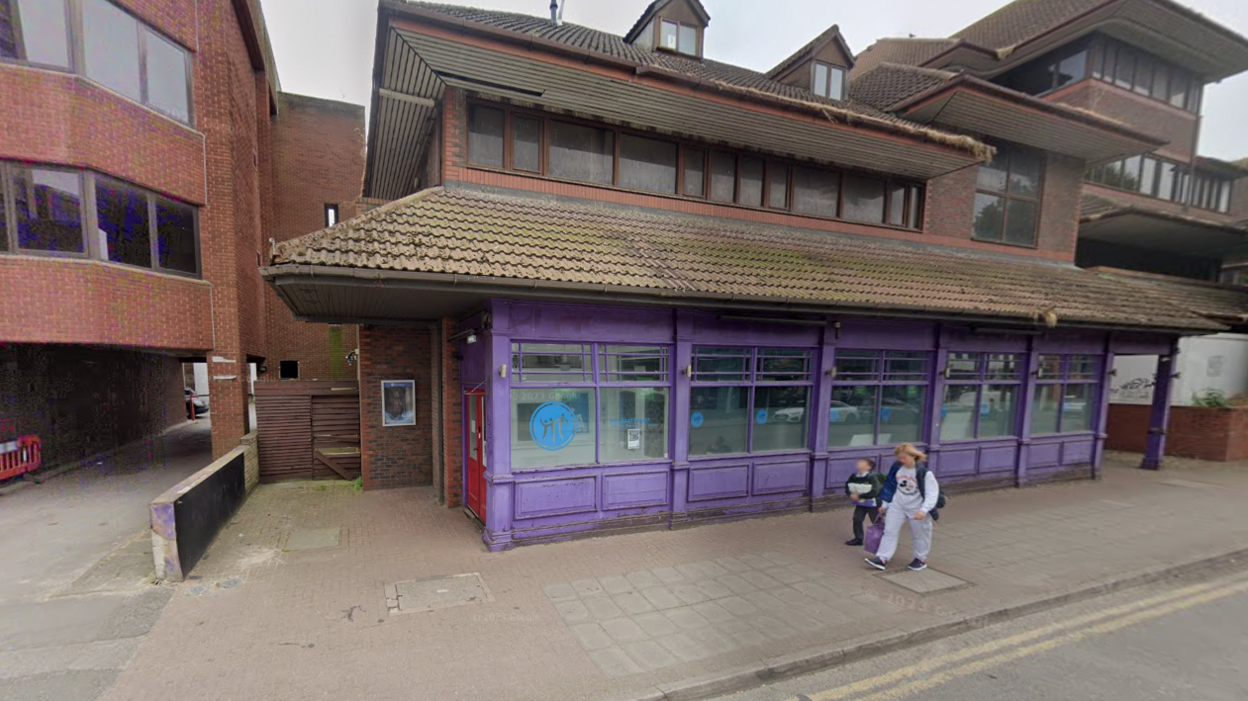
890	482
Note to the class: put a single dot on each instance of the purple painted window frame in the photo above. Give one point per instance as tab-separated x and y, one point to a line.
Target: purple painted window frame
594	351
882	378
983	378
1094	376
749	380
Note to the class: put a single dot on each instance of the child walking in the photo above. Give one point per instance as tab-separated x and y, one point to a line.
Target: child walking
863	487
909	496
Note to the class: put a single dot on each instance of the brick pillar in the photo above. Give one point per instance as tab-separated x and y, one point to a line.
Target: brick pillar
452	420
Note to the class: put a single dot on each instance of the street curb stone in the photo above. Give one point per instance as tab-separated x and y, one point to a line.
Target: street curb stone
883	642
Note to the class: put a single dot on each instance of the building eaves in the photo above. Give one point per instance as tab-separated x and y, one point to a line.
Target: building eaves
1096	207
1219	302
540	241
590	44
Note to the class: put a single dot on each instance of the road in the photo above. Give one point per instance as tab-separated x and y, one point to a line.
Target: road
75	590
1177	640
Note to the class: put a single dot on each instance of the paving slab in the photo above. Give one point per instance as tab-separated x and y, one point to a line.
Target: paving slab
314	538
925	581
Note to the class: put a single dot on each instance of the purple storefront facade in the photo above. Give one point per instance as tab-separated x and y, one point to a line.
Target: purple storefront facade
690	358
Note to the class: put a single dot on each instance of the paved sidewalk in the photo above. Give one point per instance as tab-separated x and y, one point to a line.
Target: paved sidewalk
316	590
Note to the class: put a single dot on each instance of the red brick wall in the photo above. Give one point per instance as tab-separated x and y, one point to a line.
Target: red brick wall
81	401
395	456
452	420
1146	114
318	159
50	300
68	120
1194	432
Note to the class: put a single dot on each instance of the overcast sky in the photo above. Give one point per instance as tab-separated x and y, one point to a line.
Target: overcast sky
325	47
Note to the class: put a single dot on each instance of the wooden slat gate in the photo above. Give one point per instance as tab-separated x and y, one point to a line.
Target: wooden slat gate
308	429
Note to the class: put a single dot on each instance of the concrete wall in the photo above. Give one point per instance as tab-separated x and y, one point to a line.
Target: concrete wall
82	401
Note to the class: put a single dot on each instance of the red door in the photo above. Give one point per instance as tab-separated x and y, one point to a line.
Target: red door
474	479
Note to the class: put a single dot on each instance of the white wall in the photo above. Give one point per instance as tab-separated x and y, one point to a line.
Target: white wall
1205	363
201	378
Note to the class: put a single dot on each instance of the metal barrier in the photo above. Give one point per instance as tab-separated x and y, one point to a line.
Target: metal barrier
20	456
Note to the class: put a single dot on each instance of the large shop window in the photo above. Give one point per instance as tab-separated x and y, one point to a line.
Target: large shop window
1066	394
878	397
981	396
586	403
52	207
534	143
749	400
1007	201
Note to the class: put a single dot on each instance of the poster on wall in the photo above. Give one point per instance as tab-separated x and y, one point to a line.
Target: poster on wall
398	402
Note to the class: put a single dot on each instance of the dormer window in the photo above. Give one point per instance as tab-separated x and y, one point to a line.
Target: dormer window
828	80
678	37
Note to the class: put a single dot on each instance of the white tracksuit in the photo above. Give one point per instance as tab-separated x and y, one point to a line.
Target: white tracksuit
907	501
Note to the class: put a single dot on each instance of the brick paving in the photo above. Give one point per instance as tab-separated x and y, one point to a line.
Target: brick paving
606	617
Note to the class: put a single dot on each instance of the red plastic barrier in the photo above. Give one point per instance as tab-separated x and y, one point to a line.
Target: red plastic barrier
20	456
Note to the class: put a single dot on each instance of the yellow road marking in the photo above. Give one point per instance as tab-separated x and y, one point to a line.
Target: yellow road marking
986	663
933	663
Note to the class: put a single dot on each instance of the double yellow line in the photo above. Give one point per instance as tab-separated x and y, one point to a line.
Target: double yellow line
930	672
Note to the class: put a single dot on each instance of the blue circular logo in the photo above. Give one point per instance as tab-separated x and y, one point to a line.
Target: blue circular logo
553	426
696	419
761	416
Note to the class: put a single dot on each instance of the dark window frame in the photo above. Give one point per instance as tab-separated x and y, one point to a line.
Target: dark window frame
1007	196
827	86
77	58
914	192
1107	56
91	248
71	40
1203	190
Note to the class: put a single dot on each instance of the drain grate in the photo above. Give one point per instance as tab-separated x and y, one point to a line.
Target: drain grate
436	593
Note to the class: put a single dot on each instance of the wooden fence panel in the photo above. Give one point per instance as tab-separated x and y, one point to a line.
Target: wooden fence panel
308	429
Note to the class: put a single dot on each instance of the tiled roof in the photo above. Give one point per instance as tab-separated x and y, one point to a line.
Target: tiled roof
516	236
1097	206
1209	299
1022	20
888	84
911	51
615	47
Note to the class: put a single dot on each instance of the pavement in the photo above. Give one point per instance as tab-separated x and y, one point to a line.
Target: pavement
1182	638
76	593
316	590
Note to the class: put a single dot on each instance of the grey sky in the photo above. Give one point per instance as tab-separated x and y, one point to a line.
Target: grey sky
325	47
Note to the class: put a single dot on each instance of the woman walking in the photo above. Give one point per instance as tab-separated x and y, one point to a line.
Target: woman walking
909	496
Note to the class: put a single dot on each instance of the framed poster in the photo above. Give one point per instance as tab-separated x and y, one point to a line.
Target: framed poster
398	402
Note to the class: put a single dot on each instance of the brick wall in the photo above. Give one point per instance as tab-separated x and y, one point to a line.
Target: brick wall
318	159
1194	432
82	401
452	420
395	456
51	300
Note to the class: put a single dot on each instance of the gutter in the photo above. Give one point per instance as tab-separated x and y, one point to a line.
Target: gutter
282	275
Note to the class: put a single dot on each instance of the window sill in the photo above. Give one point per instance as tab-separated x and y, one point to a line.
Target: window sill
649	462
1026	246
751	456
82	259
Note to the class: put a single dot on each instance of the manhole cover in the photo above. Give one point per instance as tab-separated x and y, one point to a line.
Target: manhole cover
436	593
313	538
927	581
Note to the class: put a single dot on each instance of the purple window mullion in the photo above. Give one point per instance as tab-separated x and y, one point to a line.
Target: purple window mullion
749	411
596	380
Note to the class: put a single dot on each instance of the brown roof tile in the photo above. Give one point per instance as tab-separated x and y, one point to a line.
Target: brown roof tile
1226	303
888	84
912	51
469	231
1022	20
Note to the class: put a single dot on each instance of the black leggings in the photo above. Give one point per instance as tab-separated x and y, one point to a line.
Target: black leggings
860	513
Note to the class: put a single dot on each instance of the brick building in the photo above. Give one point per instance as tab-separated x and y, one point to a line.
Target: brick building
151	157
658	289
